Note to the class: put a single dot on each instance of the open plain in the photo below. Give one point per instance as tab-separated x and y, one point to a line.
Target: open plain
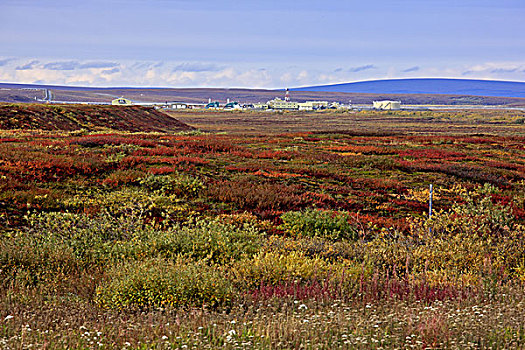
256	230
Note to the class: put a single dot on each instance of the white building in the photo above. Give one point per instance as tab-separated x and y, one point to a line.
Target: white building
387	105
305	106
179	105
121	102
313	105
260	105
277	103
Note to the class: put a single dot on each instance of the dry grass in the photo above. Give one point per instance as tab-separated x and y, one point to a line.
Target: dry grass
36	322
492	122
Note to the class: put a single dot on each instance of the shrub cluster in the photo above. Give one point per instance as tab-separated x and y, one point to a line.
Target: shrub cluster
161	283
320	223
181	185
60	243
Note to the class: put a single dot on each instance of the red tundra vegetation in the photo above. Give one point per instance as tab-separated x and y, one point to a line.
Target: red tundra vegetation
150	239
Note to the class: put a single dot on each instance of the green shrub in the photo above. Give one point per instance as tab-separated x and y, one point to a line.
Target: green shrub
89	239
181	185
104	238
208	239
188	186
476	214
160	283
129	201
474	240
58	245
275	268
158	183
26	262
320	223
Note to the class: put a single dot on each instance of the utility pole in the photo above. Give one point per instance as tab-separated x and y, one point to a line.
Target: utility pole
430	207
430	203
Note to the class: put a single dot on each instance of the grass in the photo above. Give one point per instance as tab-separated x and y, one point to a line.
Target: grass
499	122
271	324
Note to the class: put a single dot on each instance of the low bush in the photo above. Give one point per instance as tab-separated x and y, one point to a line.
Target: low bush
161	283
88	239
317	246
274	268
474	241
207	239
121	178
247	195
58	244
181	185
27	262
130	201
320	223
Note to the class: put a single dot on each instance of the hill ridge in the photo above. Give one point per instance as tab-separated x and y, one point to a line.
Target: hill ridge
447	86
87	117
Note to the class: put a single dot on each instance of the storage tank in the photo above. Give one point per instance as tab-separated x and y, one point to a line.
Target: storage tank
387	105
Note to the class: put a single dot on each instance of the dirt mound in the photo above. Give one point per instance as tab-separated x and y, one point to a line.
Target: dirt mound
92	117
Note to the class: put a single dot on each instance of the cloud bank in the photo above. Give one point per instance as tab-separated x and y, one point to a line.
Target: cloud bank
212	74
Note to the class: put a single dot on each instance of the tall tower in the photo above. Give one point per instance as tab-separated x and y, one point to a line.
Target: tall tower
287	95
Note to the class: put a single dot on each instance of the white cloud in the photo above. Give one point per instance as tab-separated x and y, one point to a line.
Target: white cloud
286	78
255	78
27	66
197	67
495	70
303	76
181	78
205	74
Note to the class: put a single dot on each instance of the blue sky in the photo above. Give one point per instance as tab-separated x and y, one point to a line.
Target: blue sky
267	44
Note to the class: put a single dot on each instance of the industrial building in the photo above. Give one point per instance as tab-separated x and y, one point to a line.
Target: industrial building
387	105
213	105
277	103
121	102
260	105
178	105
232	105
313	105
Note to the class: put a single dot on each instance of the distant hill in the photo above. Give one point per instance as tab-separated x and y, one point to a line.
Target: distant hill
428	86
27	93
92	118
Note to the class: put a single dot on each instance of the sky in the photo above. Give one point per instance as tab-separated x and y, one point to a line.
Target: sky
258	44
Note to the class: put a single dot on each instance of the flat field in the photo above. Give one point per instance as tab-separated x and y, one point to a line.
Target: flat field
267	231
448	122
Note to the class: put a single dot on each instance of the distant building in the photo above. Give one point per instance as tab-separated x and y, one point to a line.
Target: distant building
260	105
232	105
313	105
387	105
305	106
213	104
277	103
121	102
179	105
336	105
